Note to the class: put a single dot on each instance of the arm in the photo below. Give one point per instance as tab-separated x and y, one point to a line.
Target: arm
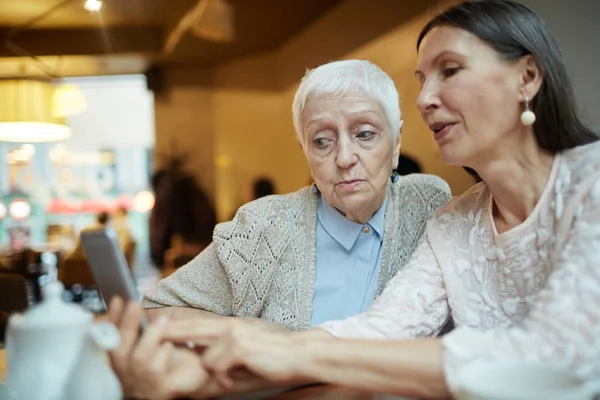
563	326
202	284
200	289
414	304
400	312
407	368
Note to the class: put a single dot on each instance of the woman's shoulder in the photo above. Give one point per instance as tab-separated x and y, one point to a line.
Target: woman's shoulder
424	184
275	203
473	199
580	162
577	178
269	211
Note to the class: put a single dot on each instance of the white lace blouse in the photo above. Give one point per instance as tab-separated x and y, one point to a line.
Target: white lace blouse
531	293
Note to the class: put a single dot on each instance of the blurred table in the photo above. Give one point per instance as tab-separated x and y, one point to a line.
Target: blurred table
323	392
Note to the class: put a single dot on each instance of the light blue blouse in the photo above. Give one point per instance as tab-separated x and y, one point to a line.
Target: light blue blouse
348	261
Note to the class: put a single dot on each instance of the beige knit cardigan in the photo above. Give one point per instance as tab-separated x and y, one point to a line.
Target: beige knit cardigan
262	263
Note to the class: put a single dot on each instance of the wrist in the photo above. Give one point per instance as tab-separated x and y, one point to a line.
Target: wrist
305	351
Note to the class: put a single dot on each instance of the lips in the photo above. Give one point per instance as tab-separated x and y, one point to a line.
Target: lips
350	184
441	129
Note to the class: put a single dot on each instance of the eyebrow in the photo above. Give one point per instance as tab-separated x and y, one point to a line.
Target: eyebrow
353	113
437	58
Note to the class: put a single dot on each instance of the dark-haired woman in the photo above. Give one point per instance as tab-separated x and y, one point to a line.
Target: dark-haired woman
515	261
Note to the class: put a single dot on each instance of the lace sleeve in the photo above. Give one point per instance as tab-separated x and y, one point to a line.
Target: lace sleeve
414	304
563	326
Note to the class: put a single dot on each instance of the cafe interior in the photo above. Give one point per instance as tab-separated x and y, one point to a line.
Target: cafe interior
102	99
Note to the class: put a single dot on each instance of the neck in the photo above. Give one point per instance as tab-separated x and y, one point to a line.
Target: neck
517	183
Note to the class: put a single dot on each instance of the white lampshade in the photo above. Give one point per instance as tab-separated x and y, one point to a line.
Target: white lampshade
26	114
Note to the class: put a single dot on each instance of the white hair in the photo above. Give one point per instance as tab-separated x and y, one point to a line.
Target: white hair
341	77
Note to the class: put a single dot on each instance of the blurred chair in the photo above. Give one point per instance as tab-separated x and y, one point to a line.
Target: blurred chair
180	254
75	270
14	297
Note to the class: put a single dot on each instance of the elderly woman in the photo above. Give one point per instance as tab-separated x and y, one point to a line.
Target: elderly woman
515	259
324	252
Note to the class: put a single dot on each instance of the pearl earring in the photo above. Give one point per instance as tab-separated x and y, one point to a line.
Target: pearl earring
527	117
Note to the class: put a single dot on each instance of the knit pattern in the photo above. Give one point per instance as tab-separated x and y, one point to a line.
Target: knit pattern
262	263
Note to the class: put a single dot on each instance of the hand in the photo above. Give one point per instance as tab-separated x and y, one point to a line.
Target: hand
146	367
236	343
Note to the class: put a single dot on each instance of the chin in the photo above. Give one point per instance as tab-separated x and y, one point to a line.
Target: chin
452	158
353	201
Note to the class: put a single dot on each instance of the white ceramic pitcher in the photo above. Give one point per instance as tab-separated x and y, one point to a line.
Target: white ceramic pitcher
56	352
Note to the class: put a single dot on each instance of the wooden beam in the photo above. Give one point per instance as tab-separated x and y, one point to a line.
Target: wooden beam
184	25
85	41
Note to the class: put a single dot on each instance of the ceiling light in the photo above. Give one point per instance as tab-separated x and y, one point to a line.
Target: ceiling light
27	114
143	201
19	209
93	5
67	101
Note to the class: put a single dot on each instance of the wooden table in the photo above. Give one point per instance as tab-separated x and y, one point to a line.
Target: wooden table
2	364
323	392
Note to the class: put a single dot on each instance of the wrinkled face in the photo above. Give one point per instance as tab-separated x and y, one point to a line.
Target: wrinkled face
350	151
469	98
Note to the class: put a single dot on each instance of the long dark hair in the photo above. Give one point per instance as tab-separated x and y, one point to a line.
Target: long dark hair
515	31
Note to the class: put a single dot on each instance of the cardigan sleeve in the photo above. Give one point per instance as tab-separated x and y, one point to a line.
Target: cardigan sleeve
202	284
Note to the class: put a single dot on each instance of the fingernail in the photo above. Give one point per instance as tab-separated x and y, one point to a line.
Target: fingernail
162	320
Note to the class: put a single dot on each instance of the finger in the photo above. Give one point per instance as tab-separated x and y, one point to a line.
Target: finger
115	309
159	362
187	374
201	333
128	324
220	358
149	343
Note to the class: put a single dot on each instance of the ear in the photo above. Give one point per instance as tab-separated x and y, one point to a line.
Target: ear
397	145
531	78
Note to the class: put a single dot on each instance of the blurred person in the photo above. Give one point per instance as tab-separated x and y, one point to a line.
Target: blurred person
407	165
289	262
120	219
182	216
260	187
513	261
120	223
102	219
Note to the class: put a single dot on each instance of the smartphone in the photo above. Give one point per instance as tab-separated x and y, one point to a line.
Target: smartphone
109	266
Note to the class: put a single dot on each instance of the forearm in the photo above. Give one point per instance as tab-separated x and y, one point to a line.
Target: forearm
407	368
313	334
183	313
178	313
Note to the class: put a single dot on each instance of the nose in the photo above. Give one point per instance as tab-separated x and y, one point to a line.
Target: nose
428	100
346	153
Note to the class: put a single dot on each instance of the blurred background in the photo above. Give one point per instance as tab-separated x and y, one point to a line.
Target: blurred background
161	117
